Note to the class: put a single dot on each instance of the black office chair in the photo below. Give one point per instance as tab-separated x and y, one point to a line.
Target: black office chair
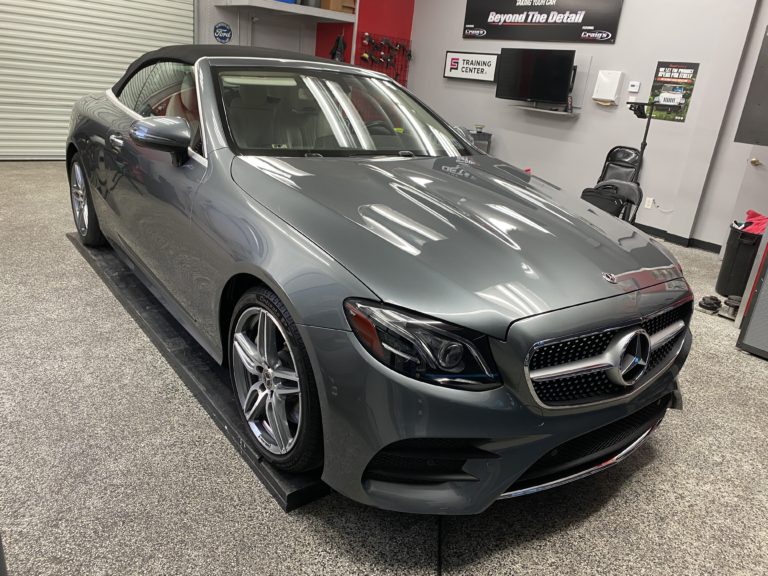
622	163
617	191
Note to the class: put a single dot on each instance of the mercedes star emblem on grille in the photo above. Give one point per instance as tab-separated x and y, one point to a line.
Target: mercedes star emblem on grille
632	352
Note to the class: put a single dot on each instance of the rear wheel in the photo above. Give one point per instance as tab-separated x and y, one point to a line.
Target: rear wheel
272	378
86	222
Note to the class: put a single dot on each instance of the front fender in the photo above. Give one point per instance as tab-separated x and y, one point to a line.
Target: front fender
235	234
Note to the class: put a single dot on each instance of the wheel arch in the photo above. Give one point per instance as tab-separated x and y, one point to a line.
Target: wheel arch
71	151
233	290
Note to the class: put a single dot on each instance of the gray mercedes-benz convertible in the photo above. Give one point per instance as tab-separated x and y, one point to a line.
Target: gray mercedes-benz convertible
433	327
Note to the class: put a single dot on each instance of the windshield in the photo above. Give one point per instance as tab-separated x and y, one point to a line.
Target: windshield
311	112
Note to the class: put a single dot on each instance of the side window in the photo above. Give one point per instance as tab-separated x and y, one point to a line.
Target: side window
170	90
131	91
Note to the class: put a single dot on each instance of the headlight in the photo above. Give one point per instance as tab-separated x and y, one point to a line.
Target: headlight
423	348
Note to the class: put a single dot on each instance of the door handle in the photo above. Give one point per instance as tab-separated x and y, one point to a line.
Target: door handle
755	162
115	141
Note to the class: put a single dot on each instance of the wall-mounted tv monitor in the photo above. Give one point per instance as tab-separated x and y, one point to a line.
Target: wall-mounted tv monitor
535	75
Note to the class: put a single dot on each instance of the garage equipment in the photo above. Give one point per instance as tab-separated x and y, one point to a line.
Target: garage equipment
482	140
388	55
208	382
754	332
740	253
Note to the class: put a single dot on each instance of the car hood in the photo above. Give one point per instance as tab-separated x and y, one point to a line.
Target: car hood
470	240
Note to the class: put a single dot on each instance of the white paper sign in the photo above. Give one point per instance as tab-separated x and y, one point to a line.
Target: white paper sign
470	66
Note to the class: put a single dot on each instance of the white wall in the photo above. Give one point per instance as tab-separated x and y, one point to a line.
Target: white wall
721	203
571	152
257	27
209	15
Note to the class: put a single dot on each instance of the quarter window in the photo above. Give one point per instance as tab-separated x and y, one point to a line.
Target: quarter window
161	93
131	91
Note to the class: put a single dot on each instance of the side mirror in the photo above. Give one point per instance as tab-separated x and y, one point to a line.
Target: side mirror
169	134
464	132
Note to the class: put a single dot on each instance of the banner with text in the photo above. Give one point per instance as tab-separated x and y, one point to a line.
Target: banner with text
470	66
595	21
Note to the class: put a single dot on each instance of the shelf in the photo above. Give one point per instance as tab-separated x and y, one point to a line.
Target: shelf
575	114
299	10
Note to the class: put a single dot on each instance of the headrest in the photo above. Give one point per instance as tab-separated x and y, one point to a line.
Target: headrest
189	92
626	155
252	96
301	100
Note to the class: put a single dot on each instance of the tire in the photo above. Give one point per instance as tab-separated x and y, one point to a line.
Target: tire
86	221
273	383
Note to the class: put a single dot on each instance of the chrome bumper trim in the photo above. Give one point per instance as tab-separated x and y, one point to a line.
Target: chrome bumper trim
585	473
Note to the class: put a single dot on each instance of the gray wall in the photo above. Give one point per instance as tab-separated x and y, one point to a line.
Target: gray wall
571	152
721	202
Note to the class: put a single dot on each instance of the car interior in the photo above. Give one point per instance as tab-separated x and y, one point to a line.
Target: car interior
283	113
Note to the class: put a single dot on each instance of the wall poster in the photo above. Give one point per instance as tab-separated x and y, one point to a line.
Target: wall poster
673	85
595	21
470	66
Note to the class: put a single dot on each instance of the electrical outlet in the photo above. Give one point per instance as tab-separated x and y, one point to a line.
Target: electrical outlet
650	202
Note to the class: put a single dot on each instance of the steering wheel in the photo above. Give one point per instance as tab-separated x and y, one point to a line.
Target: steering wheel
380	128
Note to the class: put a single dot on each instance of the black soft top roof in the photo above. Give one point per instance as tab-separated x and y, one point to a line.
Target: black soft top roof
191	53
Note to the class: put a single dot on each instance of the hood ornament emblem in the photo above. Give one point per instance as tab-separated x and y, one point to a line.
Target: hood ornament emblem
610	278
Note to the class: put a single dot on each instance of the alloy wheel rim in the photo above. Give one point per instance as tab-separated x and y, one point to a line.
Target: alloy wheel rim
266	379
79	202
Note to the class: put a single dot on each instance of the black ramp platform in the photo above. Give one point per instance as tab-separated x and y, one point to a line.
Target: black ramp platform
3	569
207	381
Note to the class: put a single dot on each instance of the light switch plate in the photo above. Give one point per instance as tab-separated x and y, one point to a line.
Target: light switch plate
634	87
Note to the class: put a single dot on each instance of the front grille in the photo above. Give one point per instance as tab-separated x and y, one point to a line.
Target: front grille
593	448
665	320
425	461
571	350
596	387
591	387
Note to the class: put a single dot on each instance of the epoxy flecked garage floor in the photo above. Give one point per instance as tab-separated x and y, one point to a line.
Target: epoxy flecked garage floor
108	465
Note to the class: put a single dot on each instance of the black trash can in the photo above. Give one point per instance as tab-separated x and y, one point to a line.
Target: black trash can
740	253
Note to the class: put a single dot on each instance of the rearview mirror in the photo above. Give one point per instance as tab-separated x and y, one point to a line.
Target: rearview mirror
169	134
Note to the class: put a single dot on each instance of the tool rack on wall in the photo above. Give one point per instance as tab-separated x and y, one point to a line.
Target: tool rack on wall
385	54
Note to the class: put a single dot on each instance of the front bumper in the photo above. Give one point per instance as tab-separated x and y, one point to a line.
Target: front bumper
367	408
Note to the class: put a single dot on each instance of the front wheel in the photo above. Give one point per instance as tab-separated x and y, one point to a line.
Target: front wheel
272	378
86	222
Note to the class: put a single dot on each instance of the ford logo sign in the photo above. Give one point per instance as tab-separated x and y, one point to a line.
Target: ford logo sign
474	32
222	32
598	35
